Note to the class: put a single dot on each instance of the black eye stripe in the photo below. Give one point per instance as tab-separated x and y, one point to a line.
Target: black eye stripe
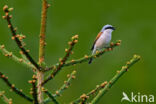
110	28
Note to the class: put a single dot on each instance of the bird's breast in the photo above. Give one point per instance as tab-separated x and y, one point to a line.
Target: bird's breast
103	41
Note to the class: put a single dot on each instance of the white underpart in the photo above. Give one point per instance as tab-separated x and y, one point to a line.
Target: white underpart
103	40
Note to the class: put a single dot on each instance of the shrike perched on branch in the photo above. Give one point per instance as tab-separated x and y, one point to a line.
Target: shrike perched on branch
103	39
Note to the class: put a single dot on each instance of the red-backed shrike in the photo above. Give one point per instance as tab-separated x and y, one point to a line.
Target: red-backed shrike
103	39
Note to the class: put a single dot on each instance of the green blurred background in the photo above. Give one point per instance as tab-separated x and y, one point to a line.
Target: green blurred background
134	20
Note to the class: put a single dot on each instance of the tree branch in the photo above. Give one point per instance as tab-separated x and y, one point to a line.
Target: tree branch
16	37
85	97
12	86
124	69
34	89
15	58
4	98
86	58
63	87
52	98
62	61
66	84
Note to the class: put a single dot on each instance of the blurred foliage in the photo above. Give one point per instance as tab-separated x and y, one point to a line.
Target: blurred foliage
135	26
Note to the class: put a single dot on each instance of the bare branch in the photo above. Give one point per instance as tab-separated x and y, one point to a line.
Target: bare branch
34	89
4	98
63	87
86	57
12	86
52	98
15	58
124	69
93	92
62	61
16	38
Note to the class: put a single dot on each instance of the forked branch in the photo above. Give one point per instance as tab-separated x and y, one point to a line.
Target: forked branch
124	69
86	57
84	97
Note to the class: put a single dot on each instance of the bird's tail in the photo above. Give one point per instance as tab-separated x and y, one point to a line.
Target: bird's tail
90	61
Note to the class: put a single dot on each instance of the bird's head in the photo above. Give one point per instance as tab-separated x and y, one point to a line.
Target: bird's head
108	28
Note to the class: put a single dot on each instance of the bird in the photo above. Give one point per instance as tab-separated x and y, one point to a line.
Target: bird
102	40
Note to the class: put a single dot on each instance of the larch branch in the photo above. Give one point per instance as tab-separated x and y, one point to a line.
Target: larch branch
4	98
63	60
15	37
12	86
124	69
93	92
86	57
52	98
10	55
63	87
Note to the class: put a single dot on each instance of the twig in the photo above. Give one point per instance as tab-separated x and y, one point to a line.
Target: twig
124	69
34	89
85	97
86	58
63	87
66	84
4	98
15	58
15	37
62	61
12	86
42	43
52	98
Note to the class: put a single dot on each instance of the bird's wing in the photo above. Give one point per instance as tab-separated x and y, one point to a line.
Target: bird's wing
97	37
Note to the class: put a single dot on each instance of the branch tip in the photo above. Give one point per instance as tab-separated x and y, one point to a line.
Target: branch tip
15	36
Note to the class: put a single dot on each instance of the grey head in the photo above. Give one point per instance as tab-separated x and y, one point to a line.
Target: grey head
107	27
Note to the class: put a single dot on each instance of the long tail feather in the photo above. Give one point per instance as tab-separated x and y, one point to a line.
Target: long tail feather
90	61
93	52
